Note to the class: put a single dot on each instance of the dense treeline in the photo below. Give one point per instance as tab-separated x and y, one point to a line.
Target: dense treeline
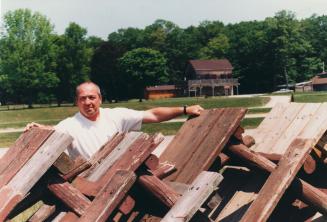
37	65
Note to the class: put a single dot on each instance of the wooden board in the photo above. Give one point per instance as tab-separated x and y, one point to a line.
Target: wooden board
43	213
288	167
277	128
100	169
271	192
194	197
109	197
199	141
282	125
138	152
32	171
301	120
264	127
69	195
22	150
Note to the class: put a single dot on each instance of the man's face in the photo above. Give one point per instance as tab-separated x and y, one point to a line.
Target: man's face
89	101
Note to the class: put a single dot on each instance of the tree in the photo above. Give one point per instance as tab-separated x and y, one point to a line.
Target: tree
315	31
248	55
143	67
74	57
94	42
217	48
288	46
169	39
130	38
105	72
208	30
27	56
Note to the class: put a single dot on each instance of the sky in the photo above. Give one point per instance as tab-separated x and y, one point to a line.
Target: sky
102	17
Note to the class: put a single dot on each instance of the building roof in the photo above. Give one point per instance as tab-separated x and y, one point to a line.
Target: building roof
160	88
317	80
214	64
303	83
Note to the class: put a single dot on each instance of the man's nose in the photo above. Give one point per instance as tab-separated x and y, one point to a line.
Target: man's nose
87	101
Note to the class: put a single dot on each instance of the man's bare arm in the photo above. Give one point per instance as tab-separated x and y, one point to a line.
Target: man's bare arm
160	114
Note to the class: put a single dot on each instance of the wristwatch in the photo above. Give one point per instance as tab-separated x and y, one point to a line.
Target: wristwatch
184	109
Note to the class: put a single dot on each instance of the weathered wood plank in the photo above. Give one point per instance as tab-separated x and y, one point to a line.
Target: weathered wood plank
271	192
30	139
95	173
40	162
301	120
180	188
264	127
150	218
212	144
248	140
159	189
32	171
21	152
309	193
109	197
163	170
152	162
190	148
107	148
138	151
317	126
242	194
71	196
64	163
43	213
133	215
69	168
76	171
277	128
191	201
176	151
9	198
127	205
66	217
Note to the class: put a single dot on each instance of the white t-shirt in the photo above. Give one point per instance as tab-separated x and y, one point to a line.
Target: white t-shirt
89	135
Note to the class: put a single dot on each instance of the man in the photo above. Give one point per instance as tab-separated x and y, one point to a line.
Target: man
93	126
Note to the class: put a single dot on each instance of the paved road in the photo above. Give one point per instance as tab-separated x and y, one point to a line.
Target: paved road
277	99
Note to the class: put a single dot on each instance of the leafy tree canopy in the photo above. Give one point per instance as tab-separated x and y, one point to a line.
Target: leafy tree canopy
27	56
143	67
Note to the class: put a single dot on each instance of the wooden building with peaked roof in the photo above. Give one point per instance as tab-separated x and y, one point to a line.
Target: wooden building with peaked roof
319	82
211	77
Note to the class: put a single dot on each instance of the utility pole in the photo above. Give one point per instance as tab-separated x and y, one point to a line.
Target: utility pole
286	77
323	67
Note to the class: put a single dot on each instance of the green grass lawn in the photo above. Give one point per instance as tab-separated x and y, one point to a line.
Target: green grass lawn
52	115
310	97
170	128
7	139
258	110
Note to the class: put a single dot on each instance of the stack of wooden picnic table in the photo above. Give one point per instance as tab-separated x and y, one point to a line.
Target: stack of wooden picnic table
209	171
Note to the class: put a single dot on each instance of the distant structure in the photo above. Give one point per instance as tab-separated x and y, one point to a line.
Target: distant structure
303	86
319	82
162	91
210	78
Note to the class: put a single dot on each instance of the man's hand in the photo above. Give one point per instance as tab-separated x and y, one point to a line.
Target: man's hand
194	110
31	125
